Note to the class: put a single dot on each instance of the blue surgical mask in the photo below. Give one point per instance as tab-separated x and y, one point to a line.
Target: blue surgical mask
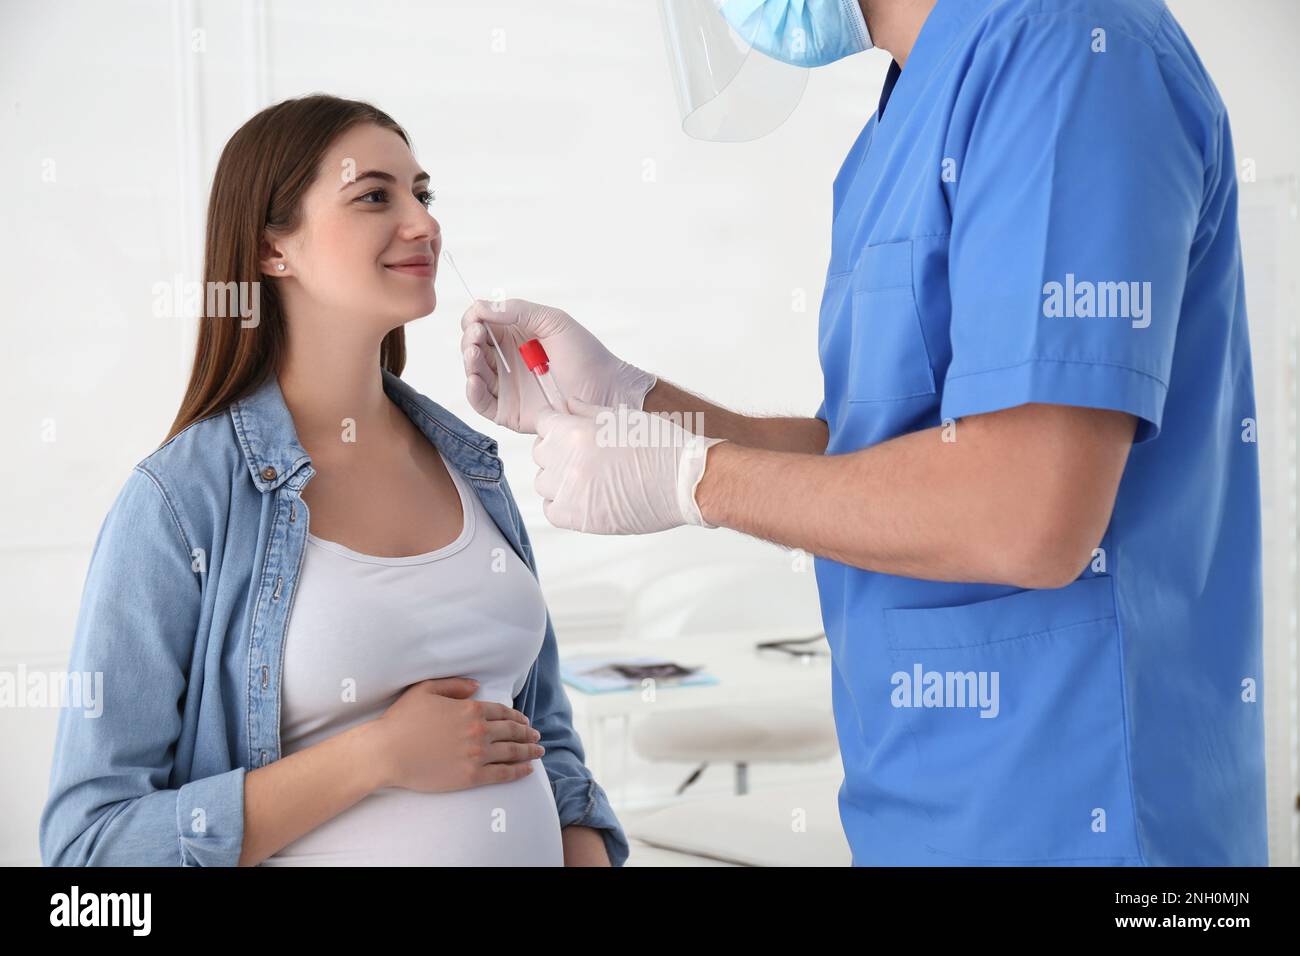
799	32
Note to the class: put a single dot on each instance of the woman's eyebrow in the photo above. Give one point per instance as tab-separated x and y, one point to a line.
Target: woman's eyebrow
380	174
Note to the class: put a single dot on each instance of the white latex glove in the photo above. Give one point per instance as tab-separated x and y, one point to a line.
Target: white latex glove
618	471
580	364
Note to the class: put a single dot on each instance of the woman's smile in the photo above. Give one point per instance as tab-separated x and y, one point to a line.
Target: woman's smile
414	265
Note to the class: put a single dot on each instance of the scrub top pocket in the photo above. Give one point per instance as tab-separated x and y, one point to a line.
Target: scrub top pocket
888	359
1043	779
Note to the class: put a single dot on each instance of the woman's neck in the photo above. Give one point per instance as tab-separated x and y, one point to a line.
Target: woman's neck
335	393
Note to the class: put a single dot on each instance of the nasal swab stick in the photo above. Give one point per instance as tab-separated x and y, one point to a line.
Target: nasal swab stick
452	262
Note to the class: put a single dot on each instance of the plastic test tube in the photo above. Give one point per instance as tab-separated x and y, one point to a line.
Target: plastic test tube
540	365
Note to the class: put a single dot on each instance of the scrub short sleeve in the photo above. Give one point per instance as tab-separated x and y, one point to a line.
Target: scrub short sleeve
1078	190
821	411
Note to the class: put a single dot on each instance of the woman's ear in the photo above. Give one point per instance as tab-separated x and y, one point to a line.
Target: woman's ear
271	258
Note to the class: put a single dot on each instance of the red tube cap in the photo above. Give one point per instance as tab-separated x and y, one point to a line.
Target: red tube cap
534	356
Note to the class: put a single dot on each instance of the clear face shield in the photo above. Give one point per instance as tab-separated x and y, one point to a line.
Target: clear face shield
727	91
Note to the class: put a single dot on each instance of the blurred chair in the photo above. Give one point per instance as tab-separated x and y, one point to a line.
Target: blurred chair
786	825
762	597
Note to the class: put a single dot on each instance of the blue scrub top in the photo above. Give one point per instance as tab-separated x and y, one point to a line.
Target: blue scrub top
1044	209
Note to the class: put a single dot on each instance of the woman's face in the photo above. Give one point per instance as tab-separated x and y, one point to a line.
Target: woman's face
366	212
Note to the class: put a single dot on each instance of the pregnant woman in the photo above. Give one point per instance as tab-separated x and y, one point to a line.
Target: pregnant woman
315	607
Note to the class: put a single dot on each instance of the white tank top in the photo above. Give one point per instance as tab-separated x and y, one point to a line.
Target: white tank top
362	629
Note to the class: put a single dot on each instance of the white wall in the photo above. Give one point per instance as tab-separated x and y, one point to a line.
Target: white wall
1249	49
551	133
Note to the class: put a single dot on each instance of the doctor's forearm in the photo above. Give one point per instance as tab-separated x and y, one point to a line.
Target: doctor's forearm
1021	497
808	435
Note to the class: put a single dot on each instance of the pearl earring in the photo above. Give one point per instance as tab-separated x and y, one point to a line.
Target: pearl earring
280	266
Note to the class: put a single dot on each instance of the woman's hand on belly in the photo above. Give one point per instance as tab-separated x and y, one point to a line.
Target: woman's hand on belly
432	739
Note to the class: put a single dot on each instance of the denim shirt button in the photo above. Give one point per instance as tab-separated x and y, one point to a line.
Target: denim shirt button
268	473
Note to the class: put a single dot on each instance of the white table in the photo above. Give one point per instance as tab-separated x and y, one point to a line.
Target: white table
746	677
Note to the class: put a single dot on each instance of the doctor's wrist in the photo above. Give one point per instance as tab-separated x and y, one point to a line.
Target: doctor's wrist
633	385
692	466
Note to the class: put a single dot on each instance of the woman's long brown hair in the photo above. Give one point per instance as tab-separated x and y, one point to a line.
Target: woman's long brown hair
264	171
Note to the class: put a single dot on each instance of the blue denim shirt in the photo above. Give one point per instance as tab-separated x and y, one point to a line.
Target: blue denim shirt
186	601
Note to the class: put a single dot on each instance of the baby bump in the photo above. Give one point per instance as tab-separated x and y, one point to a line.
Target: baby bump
500	824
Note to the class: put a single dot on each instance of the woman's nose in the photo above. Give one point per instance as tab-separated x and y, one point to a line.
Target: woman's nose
424	228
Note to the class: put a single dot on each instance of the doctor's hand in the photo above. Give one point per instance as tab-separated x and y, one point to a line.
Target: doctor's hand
618	471
581	365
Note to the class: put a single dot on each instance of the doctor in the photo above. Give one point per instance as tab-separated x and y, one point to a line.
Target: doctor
1032	485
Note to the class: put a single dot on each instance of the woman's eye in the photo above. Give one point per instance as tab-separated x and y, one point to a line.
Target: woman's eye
426	197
